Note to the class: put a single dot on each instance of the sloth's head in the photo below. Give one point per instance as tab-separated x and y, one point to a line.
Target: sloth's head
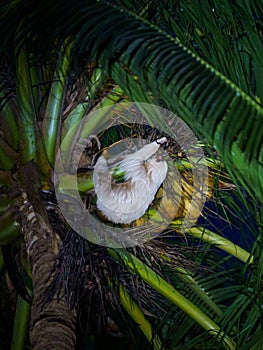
156	169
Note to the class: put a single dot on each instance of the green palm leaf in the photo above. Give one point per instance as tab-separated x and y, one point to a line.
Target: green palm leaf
215	95
210	103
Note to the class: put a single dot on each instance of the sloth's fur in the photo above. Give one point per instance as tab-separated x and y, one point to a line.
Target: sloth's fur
144	172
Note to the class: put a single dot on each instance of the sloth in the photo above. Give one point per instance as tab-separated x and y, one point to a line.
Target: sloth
143	172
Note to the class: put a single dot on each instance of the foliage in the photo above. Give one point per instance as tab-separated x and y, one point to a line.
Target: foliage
204	62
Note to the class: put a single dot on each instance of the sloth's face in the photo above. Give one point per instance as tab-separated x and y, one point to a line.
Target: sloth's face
156	169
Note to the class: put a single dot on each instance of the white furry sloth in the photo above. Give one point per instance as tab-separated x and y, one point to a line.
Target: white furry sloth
144	172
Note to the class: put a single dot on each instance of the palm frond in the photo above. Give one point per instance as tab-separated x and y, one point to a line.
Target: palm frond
203	63
202	96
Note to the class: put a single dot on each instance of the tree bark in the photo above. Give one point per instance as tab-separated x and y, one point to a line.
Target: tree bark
52	320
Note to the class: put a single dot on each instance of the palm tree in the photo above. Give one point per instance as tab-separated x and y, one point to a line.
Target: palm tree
59	62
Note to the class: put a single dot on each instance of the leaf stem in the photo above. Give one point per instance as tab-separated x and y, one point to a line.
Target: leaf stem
170	293
21	323
137	315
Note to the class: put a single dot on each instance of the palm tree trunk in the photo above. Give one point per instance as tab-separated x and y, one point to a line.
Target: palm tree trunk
52	320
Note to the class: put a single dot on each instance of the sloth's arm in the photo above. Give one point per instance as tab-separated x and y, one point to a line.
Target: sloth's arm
148	150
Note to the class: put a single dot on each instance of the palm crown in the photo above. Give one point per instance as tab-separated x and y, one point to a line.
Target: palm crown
61	61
